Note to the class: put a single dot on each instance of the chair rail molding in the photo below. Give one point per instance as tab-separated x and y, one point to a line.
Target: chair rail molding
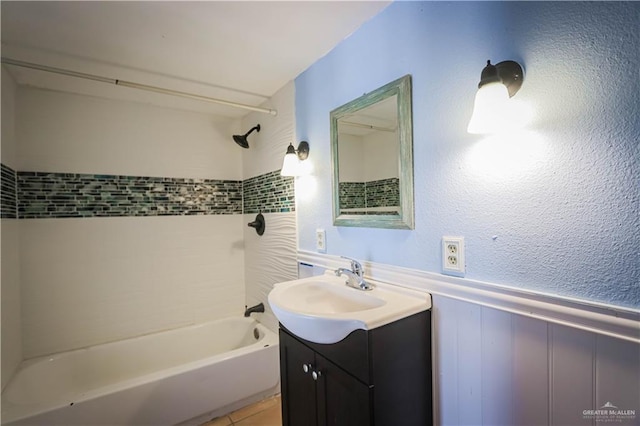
590	316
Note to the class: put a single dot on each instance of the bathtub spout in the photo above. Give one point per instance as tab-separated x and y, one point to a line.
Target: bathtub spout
258	308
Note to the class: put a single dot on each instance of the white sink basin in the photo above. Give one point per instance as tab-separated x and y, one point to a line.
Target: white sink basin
322	309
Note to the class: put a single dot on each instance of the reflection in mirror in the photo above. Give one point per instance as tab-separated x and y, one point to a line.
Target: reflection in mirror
372	159
369	184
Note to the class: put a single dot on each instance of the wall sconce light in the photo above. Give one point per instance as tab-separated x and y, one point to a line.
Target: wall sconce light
498	83
293	157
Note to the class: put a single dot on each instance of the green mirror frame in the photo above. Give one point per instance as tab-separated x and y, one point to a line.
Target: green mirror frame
405	219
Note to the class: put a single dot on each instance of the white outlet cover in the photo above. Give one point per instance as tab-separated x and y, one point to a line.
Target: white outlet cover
453	262
321	240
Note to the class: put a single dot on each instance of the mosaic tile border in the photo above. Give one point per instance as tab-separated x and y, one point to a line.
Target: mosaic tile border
383	192
352	195
8	192
375	193
269	193
29	195
58	195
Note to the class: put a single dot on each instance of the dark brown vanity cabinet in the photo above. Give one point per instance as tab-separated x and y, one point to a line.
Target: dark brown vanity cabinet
378	377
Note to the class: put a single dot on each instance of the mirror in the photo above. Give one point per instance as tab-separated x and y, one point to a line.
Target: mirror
372	159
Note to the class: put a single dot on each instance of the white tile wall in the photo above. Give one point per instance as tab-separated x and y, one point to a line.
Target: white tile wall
86	281
89	281
269	259
8	141
267	148
63	132
11	316
95	280
9	228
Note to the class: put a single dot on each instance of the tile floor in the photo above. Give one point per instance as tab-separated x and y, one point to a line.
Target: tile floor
263	413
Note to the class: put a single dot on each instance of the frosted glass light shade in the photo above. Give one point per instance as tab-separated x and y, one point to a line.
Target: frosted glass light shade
290	165
294	158
489	109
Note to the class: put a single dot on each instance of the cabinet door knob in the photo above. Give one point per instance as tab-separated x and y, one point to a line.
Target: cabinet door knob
316	375
306	367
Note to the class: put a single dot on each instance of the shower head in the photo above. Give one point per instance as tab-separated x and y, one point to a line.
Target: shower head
242	139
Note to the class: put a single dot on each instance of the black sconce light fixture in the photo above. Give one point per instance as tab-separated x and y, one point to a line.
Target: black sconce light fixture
498	83
293	157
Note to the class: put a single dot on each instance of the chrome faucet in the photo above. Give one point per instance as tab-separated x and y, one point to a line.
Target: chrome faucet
355	275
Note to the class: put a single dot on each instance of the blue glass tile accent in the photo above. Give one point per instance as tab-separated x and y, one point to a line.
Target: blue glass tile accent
352	195
8	193
383	193
56	195
32	195
269	193
375	193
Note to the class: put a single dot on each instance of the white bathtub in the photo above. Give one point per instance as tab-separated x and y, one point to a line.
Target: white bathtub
158	379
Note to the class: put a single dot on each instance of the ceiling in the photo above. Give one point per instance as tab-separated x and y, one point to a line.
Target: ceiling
241	51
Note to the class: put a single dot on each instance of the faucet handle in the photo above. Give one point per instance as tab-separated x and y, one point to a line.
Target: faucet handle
356	267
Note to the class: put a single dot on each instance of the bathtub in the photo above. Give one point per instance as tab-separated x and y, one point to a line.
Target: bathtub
158	379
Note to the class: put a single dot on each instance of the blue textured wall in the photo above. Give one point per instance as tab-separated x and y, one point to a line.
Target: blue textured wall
552	208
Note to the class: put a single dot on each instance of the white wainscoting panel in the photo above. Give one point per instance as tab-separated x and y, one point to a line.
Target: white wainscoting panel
458	360
572	379
497	368
617	374
530	371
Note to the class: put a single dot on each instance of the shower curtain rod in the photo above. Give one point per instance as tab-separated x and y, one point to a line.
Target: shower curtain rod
133	85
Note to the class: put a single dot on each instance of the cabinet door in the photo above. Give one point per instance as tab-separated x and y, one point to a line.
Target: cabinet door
342	399
298	387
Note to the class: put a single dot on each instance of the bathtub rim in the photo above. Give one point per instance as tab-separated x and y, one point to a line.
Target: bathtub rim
269	339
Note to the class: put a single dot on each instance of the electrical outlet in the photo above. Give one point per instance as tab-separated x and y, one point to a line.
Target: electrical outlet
453	256
321	241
